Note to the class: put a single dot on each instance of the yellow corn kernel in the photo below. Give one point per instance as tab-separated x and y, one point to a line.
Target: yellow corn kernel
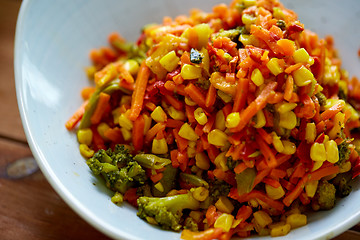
260	119
310	188
224	96
125	100
189	101
159	146
187	132
101	128
249	3
278	13
85	136
158	114
117	198
217	138
277	224
116	114
289	147
332	152
196	215
277	143
124	122
86	151
354	114
203	31
318	152
108	76
147	123
126	134
316	166
200	193
345	167
287	120
200	116
90	71
191	152
190	72
131	66
245	39
170	61
280	230
301	56
310	132
176	114
338	125
274	66
202	161
159	187
224	205
220	120
248	19
262	218
284	107
221	161
274	193
257	77
224	221
303	76
206	60
296	220
232	120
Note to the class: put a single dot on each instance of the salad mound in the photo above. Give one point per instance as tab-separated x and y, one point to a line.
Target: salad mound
220	124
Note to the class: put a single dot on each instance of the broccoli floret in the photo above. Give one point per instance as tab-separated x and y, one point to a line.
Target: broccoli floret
230	163
342	184
118	168
325	195
191	224
281	24
217	189
233	34
344	152
166	211
321	98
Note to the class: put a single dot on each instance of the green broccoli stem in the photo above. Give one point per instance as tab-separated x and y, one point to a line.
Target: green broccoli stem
166	211
91	106
151	161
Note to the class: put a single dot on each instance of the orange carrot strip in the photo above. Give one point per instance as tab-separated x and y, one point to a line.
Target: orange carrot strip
195	94
210	96
332	111
177	104
255	106
172	123
156	177
114	135
292	68
240	168
174	160
266	151
86	92
138	133
76	117
287	46
289	88
291	196
100	108
208	234
323	172
139	91
244	213
277	173
150	105
241	93
261	175
264	135
153	131
170	85
181	142
189	110
272	182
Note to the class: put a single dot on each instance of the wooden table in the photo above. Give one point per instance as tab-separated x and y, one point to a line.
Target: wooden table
29	207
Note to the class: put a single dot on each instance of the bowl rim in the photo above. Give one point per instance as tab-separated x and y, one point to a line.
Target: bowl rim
56	183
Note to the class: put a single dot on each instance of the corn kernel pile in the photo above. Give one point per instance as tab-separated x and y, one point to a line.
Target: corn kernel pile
244	95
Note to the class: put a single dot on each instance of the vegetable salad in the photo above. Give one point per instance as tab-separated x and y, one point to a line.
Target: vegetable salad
220	124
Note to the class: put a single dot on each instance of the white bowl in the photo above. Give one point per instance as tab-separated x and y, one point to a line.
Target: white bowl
53	39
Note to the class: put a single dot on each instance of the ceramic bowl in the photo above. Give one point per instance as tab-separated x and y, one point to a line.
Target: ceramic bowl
53	39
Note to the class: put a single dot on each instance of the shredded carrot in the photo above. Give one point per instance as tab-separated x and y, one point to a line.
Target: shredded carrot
100	108
76	117
139	91
138	133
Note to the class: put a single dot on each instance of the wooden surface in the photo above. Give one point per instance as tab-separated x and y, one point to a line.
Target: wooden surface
29	207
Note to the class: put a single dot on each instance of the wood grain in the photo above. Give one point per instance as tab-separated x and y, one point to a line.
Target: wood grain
29	208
